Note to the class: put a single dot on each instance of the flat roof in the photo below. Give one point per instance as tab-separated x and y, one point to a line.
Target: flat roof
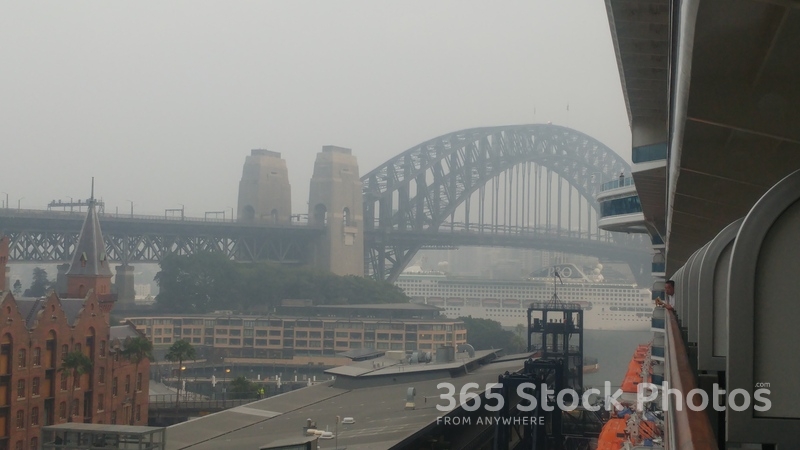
381	420
395	367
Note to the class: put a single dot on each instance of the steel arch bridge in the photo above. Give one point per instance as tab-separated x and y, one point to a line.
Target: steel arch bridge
528	186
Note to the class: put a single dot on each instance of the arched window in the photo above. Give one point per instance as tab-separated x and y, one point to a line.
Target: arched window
346	217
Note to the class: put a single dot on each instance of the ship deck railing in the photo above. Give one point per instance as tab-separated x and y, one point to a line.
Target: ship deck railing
685	429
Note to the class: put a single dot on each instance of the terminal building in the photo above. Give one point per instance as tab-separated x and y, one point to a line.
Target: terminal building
309	334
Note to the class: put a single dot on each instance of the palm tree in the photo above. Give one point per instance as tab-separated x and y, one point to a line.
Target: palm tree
76	364
179	352
137	350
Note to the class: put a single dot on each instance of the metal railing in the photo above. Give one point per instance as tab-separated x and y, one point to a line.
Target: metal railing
686	429
167	402
617	183
296	220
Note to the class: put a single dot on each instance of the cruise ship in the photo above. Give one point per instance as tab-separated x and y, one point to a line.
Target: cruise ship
606	305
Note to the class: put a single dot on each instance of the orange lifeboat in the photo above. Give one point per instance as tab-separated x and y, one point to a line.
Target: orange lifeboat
613	435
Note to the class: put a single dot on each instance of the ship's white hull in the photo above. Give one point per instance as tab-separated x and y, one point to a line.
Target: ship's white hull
511	317
606	305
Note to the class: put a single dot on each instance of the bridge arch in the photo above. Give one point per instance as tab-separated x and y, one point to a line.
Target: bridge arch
419	189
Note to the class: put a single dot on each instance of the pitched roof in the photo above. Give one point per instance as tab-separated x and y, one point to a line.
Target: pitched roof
123	332
71	307
28	308
90	254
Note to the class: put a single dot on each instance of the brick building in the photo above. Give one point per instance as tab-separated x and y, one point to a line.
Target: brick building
36	334
309	333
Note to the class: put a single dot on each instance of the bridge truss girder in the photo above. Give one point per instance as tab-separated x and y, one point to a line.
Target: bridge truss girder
135	241
421	188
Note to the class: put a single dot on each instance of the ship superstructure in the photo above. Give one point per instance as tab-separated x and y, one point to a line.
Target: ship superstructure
606	305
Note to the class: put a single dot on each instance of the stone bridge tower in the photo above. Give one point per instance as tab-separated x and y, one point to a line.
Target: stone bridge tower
335	201
264	191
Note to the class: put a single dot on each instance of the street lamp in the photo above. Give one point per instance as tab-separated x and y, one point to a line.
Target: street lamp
19	202
225	385
182	209
6	203
131	206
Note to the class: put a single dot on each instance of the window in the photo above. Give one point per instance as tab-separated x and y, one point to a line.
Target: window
78	347
74	408
35	416
34	443
114	388
127	384
64	351
37	356
35	386
62	410
19	445
20	388
113	417
101	374
100	401
138	413
22	358
102	349
20	419
138	382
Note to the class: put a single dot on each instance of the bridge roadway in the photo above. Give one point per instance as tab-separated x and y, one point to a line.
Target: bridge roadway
458	235
50	236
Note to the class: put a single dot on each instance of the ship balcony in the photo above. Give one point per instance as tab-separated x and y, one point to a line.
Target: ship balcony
621	211
657	242
646	157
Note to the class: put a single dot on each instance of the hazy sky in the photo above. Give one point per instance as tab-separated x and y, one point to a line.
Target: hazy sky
162	101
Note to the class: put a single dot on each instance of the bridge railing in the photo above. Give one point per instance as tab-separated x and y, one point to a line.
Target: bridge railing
167	402
462	227
296	220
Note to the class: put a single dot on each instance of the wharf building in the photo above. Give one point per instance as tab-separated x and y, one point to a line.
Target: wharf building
36	334
301	333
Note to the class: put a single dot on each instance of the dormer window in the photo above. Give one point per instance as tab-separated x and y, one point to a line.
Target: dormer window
83	259
103	259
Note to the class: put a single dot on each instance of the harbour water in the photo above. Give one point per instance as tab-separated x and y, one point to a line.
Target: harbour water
613	349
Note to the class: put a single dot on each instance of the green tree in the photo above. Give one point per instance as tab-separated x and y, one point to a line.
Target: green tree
17	288
241	387
196	284
485	334
75	363
207	281
40	284
137	350
179	352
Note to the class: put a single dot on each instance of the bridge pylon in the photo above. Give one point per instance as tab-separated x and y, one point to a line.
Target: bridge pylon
264	190
335	202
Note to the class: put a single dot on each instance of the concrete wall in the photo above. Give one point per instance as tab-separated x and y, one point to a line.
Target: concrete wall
335	201
264	190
